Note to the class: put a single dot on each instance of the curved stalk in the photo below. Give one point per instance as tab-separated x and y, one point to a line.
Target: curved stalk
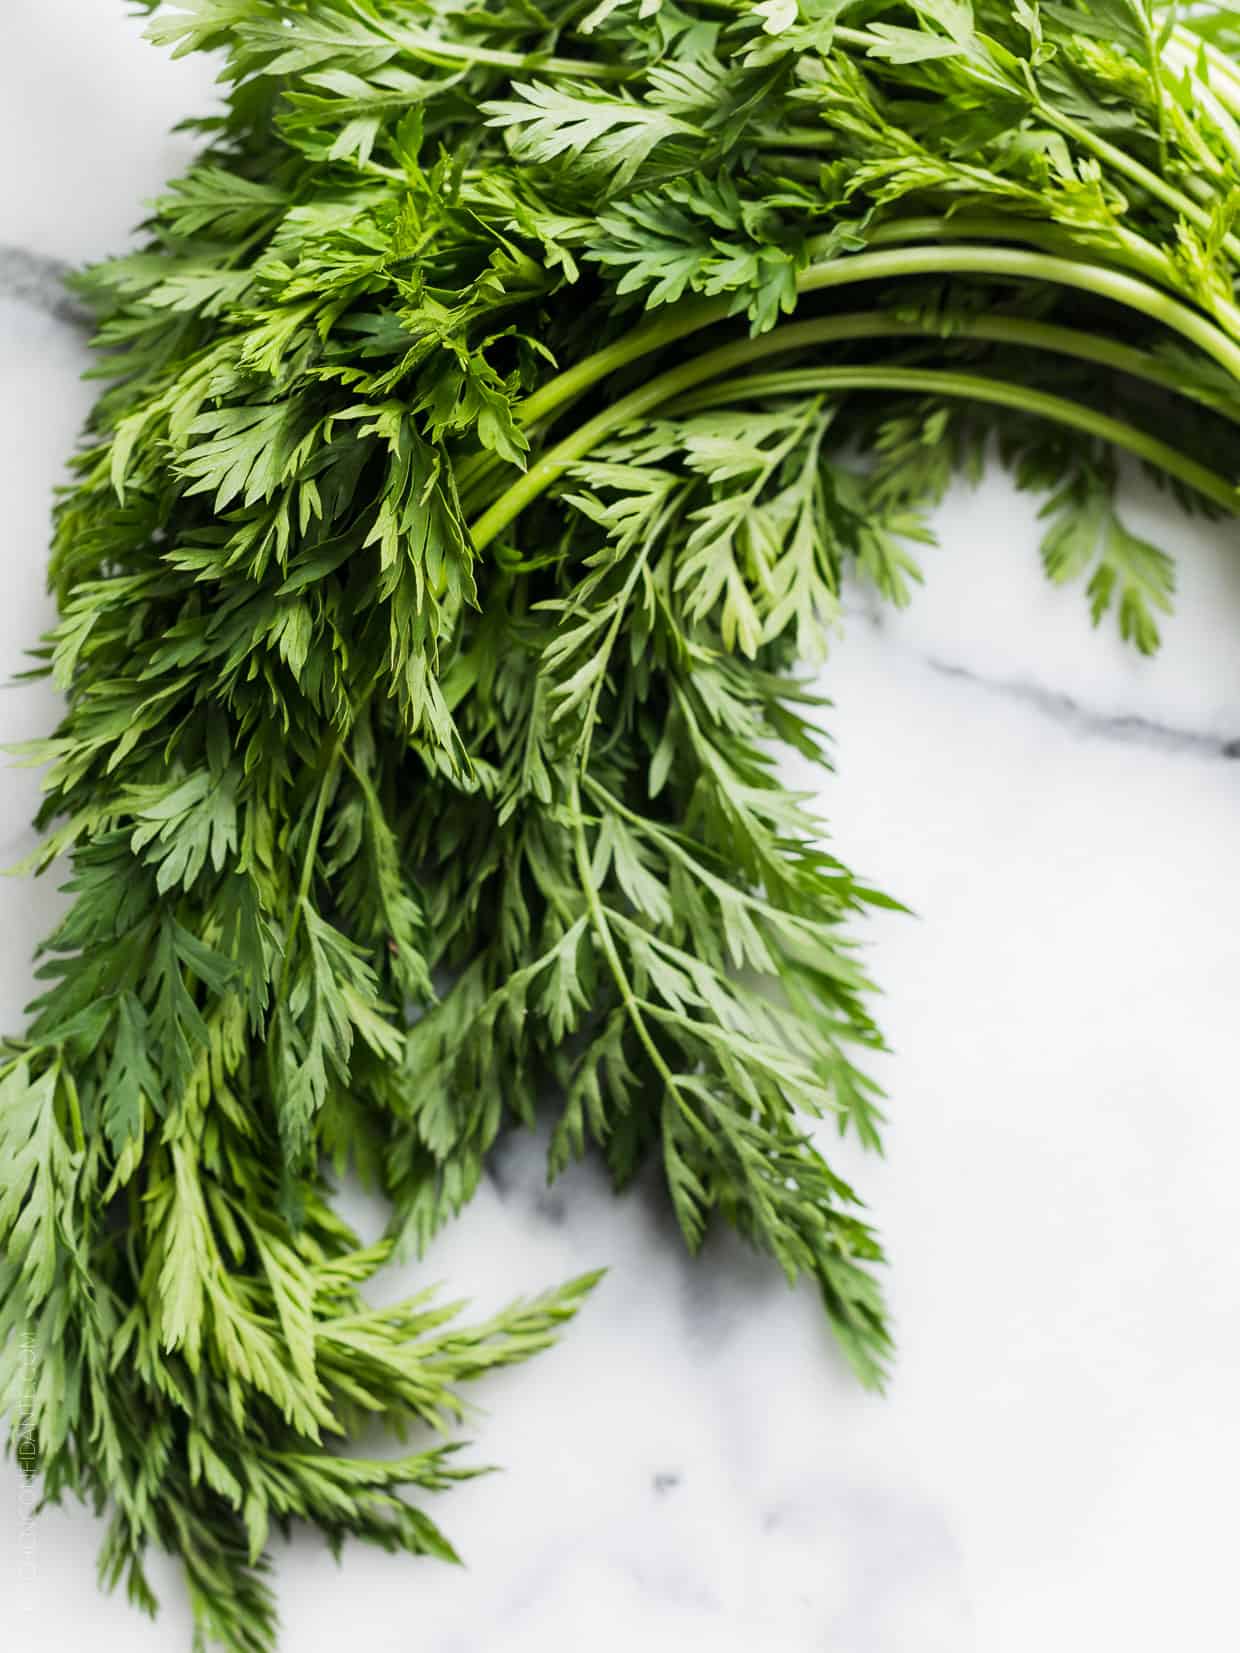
795	137
996	392
1186	50
672	387
692	316
1207	93
991	329
1131	251
891	264
448	54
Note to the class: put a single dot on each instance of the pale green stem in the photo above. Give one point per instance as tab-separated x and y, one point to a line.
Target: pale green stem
672	387
1125	165
974	387
613	630
993	329
1223	76
1129	250
892	264
310	857
75	1108
1140	175
550	465
693	315
448	54
1220	99
607	944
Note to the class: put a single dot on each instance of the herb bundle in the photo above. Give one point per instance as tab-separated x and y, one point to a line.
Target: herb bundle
432	585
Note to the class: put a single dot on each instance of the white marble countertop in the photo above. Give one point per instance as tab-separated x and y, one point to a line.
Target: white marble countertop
1055	1461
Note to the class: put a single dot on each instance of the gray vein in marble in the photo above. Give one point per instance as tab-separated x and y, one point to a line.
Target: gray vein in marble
1053	703
37	280
1062	708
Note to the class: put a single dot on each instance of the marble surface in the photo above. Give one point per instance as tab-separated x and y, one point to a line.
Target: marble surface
1055	1462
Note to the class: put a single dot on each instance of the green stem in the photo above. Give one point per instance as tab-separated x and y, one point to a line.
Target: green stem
1131	251
615	965
1221	103
607	944
887	265
992	329
1125	165
675	385
1144	23
613	631
1020	265
327	780
1186	49
75	1108
1138	174
669	842
429	48
797	335
693	315
935	382
795	137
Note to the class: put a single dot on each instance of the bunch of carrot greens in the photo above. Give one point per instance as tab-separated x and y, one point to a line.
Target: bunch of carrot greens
492	416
